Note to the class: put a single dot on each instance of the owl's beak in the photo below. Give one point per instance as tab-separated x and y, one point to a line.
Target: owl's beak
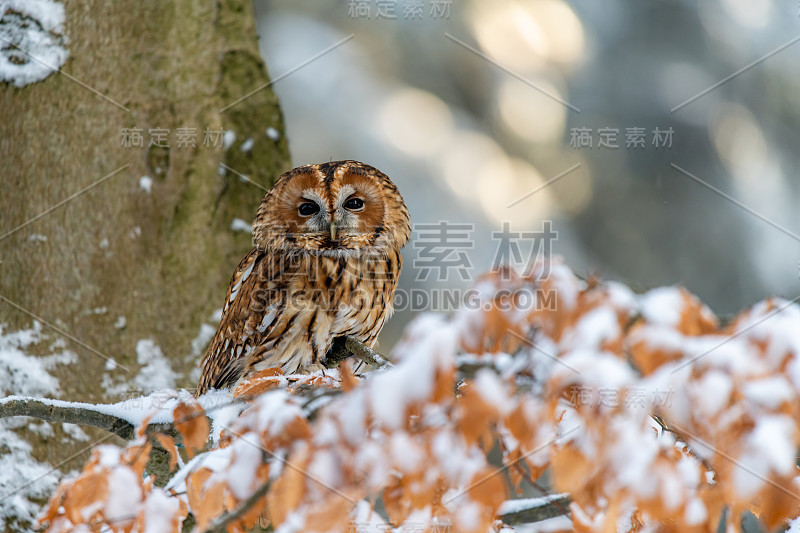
333	231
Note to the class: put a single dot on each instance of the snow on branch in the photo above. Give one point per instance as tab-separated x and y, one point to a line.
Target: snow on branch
123	418
530	510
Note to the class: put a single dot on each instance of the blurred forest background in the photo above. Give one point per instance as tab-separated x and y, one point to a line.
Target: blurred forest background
464	133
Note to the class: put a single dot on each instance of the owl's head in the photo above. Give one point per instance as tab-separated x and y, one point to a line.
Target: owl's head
332	207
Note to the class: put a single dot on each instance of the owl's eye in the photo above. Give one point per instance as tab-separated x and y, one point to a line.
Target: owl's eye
308	208
354	204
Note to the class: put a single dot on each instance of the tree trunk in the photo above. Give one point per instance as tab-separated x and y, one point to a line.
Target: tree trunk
160	259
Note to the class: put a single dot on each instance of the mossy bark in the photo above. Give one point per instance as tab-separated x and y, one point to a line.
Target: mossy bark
161	259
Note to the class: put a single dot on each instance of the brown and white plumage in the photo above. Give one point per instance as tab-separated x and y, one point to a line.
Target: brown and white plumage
325	264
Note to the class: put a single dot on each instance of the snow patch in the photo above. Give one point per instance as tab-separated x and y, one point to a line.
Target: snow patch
36	29
273	134
662	306
769	448
146	184
240	225
156	372
24	480
202	339
430	342
492	390
696	512
43	429
593	329
523	504
228	138
158	512
74	431
24	374
769	392
124	495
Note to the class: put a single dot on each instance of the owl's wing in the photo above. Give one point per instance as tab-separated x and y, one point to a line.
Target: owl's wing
249	313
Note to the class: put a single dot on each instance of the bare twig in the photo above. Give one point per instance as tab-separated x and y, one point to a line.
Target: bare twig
349	346
468	368
535	509
532	482
221	524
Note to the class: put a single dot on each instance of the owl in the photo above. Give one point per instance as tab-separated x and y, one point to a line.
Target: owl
325	264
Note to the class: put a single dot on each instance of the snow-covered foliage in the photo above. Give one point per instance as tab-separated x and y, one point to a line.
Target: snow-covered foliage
32	40
643	408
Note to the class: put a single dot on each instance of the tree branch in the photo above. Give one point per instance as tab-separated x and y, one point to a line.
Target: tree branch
349	346
527	511
73	413
96	415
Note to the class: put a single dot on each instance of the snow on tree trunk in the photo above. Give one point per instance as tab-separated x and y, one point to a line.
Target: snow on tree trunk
147	252
125	249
